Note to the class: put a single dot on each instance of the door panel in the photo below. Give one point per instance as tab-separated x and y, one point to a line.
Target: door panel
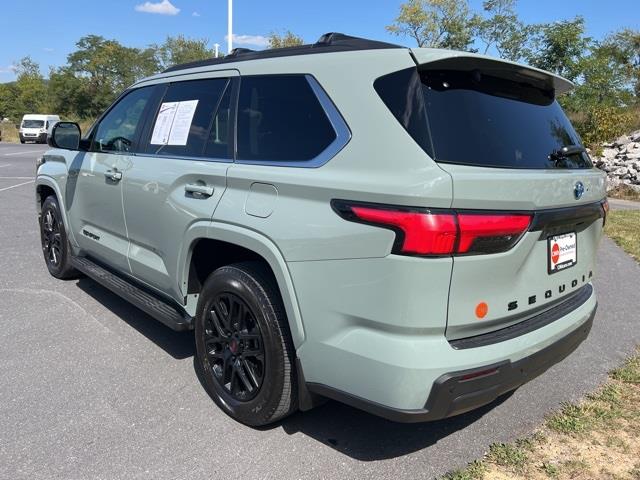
159	210
95	214
178	183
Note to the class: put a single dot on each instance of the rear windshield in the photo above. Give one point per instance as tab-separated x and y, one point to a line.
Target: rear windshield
33	124
469	118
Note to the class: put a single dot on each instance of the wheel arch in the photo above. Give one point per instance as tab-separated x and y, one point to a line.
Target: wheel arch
238	244
45	186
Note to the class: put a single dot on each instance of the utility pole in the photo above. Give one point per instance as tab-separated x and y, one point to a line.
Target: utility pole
216	46
230	27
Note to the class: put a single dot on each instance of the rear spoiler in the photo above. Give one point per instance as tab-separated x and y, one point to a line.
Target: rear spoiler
453	60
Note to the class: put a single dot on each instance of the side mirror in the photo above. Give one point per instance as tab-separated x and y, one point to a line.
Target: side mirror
65	135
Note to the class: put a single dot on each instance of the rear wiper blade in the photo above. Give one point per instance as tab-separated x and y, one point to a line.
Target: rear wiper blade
565	152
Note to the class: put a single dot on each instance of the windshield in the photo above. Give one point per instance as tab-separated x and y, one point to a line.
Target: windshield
32	123
466	117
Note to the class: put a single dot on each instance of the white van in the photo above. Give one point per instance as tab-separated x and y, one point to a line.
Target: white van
34	128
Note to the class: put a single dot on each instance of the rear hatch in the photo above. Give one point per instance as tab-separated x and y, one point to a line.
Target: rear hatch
498	130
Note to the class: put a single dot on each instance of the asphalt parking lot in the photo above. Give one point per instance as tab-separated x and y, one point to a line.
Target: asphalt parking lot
91	387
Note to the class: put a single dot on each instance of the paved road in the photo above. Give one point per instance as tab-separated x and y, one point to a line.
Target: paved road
93	388
617	204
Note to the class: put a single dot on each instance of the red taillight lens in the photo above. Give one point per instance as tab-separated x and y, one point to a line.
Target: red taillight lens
432	232
490	233
423	233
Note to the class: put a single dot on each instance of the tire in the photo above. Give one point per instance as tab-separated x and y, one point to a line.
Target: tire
21	141
231	345
55	244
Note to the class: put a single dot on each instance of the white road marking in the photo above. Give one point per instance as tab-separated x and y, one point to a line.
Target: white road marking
16	178
7	165
22	153
15	186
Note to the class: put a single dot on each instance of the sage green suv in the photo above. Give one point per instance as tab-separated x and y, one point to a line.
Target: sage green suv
410	231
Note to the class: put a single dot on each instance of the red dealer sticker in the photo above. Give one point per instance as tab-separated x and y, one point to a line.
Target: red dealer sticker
563	251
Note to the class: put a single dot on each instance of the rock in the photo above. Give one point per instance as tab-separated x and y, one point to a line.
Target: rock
635	136
609	152
633	155
623	140
613	182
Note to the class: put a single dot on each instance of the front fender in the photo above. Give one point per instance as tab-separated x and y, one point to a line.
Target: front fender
48	181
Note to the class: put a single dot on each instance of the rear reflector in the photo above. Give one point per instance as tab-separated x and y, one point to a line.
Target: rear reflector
605	211
440	232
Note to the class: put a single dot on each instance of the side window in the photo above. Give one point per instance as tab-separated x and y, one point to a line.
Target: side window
185	118
281	119
117	130
220	134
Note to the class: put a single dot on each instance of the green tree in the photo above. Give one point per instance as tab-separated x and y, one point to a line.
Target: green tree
625	47
287	39
177	50
8	95
559	47
436	23
502	30
68	93
30	88
106	68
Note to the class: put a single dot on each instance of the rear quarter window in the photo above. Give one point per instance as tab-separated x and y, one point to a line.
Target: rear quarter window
280	119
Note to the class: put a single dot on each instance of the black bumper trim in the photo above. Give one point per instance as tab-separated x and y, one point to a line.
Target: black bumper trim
455	393
566	306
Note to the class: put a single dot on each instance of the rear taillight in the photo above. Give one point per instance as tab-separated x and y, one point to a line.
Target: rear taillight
491	232
429	232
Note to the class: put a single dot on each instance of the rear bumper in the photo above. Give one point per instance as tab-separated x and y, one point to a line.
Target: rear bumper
461	391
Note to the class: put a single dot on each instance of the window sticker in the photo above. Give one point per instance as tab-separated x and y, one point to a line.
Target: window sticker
174	123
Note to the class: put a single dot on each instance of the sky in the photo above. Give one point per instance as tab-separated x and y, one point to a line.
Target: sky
47	30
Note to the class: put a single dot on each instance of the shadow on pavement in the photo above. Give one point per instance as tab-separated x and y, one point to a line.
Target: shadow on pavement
350	431
179	345
365	437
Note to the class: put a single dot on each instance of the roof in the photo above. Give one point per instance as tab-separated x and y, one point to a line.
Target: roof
329	42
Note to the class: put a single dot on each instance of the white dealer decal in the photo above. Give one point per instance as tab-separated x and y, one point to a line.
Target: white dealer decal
562	252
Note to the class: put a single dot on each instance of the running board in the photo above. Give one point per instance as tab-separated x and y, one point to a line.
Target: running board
159	309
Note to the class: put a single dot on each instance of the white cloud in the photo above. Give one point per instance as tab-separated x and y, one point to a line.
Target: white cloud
254	40
195	14
165	7
48	49
9	69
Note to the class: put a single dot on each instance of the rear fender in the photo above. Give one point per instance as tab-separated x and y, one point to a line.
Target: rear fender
257	243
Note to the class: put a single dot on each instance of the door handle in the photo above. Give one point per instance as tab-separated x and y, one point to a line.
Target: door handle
113	175
197	190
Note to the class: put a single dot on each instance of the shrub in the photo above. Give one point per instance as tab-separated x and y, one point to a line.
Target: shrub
602	123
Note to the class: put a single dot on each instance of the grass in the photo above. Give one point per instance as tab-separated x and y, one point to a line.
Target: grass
596	438
623	227
9	133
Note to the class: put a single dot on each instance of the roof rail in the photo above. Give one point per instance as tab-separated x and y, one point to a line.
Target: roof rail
329	42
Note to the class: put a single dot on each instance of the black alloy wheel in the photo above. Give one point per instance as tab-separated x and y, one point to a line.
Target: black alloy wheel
55	245
234	346
51	239
244	350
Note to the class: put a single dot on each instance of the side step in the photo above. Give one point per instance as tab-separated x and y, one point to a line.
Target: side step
159	309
